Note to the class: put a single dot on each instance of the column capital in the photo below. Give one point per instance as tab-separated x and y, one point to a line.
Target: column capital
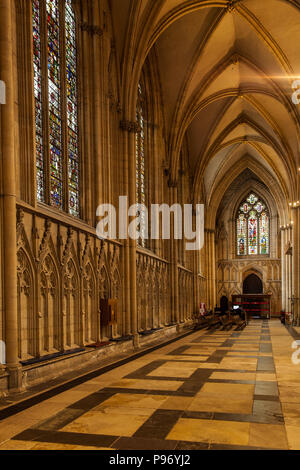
91	29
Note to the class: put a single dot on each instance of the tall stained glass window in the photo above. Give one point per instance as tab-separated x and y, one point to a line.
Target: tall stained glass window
253	228
140	163
56	104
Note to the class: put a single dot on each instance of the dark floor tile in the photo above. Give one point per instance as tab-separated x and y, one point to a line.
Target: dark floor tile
197	415
61	419
228	343
267	412
265	363
72	438
265	348
185	445
139	443
265	338
28	435
91	401
266	397
159	424
224	381
266	388
142	372
178	351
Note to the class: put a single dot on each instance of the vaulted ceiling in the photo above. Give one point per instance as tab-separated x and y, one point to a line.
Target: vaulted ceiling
226	71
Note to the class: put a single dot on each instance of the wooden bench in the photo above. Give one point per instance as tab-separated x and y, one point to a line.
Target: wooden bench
214	321
227	321
237	320
201	321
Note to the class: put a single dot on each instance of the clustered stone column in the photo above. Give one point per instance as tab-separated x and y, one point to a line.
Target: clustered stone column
131	326
296	264
9	198
174	259
210	261
286	267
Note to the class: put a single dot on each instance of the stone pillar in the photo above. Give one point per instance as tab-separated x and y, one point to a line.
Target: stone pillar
129	145
132	243
296	264
287	271
174	260
207	268
210	251
283	270
9	199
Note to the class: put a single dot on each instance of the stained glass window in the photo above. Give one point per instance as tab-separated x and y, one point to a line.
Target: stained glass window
140	163
252	233
264	234
37	70
242	235
71	73
252	227
57	154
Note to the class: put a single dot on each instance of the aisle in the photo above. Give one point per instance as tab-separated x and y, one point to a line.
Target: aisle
209	390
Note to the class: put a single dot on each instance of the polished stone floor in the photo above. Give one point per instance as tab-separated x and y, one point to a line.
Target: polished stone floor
209	390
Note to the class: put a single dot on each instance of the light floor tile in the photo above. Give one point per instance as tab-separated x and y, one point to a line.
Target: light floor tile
270	436
219	432
233	376
224	389
95	422
212	403
147	384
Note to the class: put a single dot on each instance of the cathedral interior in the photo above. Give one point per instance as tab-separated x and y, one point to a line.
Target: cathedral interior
164	102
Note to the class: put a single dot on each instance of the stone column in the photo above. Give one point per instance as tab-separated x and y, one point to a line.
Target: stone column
296	267
9	198
287	272
213	276
210	250
132	243
174	260
131	325
283	270
207	268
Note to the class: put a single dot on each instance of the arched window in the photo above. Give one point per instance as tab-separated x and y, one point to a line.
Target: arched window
140	164
252	233
56	104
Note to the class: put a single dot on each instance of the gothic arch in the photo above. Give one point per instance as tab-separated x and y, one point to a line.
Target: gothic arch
27	319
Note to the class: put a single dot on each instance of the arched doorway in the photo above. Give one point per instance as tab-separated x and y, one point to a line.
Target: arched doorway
224	303
252	285
253	300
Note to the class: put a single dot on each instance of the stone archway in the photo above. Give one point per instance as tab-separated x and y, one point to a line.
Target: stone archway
252	284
